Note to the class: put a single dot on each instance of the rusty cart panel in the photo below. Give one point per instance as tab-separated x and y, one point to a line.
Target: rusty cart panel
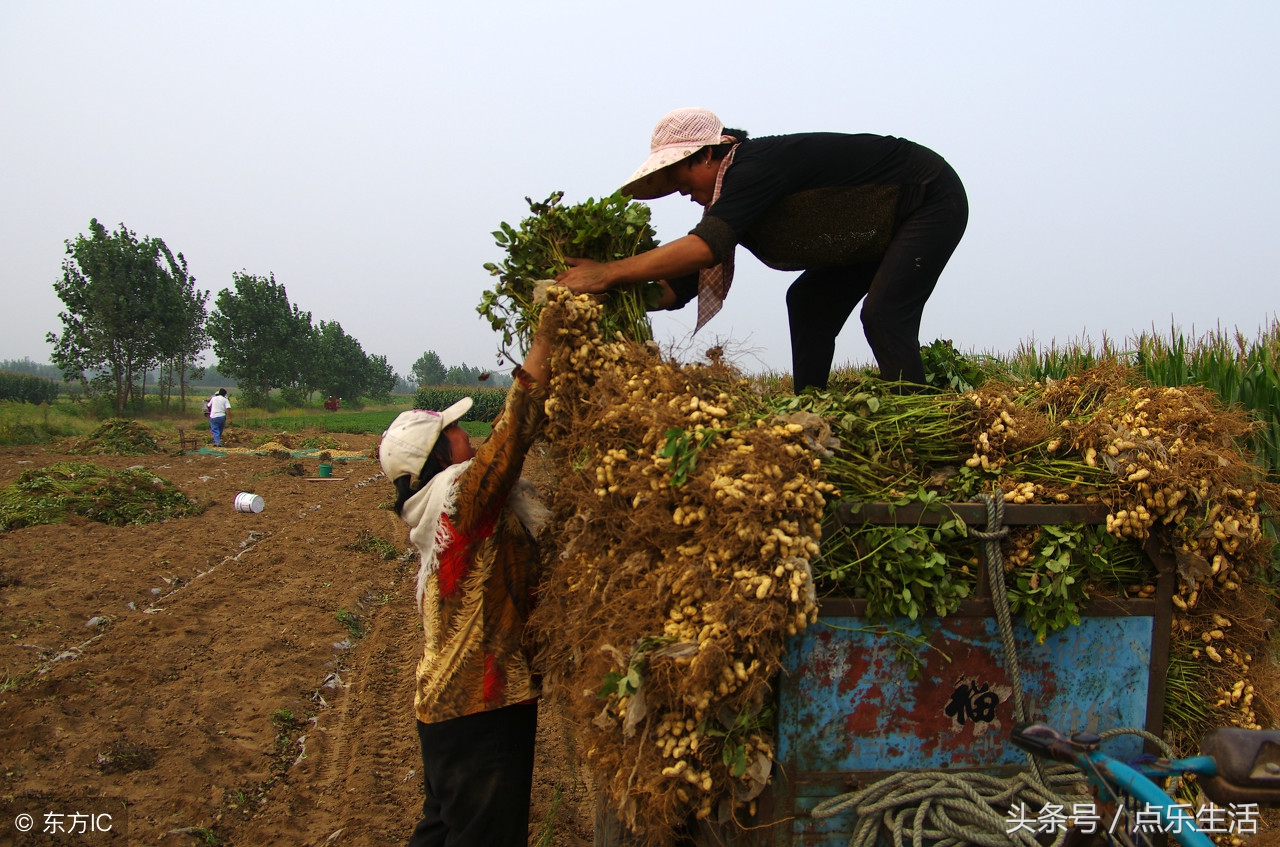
848	713
957	713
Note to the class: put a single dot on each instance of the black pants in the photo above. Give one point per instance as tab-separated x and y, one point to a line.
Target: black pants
896	288
477	771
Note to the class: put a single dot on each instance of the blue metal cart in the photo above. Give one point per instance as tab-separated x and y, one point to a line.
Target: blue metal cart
849	713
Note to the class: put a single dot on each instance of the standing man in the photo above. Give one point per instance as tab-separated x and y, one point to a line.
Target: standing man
868	218
473	519
218	405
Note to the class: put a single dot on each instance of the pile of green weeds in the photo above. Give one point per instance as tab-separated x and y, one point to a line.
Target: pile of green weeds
117	498
118	437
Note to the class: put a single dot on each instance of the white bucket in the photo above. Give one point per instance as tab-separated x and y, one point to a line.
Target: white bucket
246	502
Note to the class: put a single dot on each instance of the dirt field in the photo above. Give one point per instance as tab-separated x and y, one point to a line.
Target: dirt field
230	678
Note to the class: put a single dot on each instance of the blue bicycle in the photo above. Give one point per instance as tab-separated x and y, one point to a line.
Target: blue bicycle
1238	770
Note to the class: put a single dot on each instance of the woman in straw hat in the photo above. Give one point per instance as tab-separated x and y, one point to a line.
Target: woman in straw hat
863	216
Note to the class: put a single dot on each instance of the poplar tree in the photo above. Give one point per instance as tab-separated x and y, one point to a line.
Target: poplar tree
126	299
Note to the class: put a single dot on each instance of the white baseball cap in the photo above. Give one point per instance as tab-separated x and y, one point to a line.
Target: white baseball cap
677	136
408	441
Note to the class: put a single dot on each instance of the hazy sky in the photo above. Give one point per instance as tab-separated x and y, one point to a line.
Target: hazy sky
1120	157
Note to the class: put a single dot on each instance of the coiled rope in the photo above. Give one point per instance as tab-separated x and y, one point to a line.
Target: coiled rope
950	808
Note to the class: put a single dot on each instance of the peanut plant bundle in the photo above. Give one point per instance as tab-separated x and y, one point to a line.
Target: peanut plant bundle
685	522
1168	463
601	230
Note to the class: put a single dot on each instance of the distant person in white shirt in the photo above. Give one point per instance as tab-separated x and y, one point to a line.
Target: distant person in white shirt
218	406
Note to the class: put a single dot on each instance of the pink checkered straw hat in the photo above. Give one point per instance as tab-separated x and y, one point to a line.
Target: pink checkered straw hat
678	135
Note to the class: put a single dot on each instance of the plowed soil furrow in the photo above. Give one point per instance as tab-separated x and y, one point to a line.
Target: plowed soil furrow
197	669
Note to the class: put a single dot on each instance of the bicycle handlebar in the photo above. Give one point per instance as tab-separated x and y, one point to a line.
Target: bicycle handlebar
1236	766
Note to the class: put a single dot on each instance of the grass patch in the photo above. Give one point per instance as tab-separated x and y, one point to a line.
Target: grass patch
204	834
547	832
23	423
367	542
1242	371
289	737
13	683
283	720
353	423
353	623
116	498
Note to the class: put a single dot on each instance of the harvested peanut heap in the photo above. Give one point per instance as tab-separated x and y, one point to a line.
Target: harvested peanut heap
1158	457
678	565
1168	463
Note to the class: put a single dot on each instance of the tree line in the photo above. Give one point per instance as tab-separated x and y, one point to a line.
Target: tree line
26	366
27	388
429	370
263	341
132	308
210	377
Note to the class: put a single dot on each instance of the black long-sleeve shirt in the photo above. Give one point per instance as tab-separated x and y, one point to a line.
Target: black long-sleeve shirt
812	200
